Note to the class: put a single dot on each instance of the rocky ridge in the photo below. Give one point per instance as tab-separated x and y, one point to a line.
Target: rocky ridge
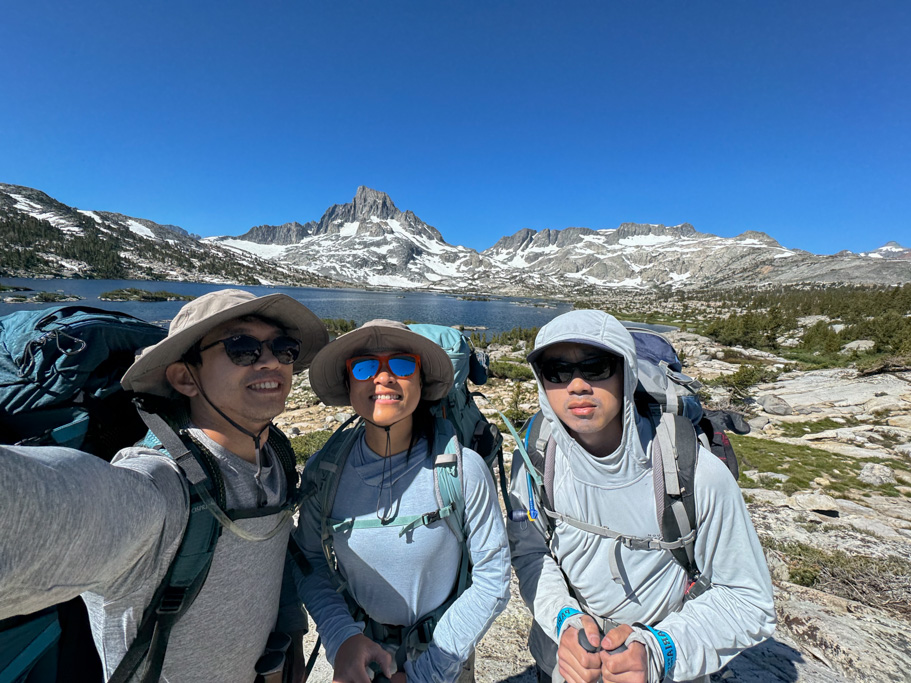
370	242
63	241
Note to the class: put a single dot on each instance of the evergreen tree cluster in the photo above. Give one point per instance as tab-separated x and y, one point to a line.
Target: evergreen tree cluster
480	340
879	314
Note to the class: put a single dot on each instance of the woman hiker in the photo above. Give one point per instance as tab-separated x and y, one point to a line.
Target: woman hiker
403	528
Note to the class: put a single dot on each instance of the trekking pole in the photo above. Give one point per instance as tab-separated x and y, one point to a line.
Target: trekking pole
311	660
588	647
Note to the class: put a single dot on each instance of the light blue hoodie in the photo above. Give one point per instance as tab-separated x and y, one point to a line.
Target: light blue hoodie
616	490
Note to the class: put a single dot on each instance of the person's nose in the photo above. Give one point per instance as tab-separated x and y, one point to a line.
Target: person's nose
384	374
266	358
577	385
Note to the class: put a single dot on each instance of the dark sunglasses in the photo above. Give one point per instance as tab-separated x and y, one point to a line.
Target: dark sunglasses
242	349
595	369
363	368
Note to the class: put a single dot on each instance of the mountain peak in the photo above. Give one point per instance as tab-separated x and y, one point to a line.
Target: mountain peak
369	203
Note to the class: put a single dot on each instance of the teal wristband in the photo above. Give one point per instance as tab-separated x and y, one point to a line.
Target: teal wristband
565	614
668	649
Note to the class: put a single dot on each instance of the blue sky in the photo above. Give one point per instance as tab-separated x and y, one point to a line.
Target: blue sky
483	118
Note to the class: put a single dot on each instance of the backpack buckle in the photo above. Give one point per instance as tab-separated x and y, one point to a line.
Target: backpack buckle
171	601
431	517
425	630
697	588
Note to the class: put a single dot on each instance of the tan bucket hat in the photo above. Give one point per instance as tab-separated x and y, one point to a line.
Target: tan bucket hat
329	375
193	322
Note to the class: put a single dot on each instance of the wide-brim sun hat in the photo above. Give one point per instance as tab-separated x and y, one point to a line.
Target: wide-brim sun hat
329	374
197	318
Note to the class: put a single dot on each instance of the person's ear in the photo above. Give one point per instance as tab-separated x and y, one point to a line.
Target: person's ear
179	377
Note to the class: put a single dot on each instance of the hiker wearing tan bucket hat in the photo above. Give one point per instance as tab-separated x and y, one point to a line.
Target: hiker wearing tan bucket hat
403	528
179	547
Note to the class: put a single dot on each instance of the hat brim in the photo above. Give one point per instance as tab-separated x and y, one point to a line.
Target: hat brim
147	374
329	374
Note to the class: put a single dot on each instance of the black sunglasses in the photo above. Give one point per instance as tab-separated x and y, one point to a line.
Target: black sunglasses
595	369
242	349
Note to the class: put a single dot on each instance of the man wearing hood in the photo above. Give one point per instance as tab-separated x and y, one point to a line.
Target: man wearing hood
74	524
586	369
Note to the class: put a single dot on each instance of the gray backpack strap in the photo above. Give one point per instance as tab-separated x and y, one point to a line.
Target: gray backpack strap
674	458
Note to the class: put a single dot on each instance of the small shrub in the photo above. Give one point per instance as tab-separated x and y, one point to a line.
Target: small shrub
878	582
504	370
746	376
306	445
514	412
338	326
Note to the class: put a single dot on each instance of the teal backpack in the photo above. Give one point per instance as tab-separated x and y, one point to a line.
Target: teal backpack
459	407
60	371
323	475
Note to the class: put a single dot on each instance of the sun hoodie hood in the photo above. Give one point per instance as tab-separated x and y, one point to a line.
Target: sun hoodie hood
596	328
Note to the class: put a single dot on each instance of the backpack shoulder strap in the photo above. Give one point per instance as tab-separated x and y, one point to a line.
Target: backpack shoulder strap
283	451
675	454
327	468
190	567
448	485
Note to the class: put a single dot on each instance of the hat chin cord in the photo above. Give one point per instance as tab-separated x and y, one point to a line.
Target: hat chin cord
256	437
388	514
212	506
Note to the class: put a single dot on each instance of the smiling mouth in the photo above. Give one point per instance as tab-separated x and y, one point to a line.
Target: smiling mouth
386	397
265	386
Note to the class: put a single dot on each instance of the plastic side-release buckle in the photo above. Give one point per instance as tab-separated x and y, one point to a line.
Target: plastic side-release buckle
697	588
171	601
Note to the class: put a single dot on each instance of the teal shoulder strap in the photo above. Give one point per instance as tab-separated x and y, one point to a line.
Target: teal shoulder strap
327	468
450	493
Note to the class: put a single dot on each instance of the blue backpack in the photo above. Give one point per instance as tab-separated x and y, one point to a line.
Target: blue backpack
60	371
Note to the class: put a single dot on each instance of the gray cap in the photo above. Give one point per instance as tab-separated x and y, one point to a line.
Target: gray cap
329	375
197	318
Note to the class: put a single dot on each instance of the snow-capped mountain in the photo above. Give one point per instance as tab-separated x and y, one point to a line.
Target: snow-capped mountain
42	236
637	255
890	250
370	242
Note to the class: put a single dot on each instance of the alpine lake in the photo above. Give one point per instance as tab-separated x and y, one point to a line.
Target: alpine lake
490	314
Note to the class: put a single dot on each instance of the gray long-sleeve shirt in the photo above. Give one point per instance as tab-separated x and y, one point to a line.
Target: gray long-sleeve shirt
72	524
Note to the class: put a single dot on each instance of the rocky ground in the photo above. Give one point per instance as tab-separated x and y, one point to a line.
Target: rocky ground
827	479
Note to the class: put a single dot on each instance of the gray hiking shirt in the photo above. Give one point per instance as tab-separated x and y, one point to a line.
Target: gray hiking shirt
617	491
398	579
73	524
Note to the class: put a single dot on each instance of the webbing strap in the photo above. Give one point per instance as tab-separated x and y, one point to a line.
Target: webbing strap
407	522
664	442
631	542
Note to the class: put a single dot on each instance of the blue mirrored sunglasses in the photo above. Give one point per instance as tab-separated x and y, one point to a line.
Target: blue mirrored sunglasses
363	368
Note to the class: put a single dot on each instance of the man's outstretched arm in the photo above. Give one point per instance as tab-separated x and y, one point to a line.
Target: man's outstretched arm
73	523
